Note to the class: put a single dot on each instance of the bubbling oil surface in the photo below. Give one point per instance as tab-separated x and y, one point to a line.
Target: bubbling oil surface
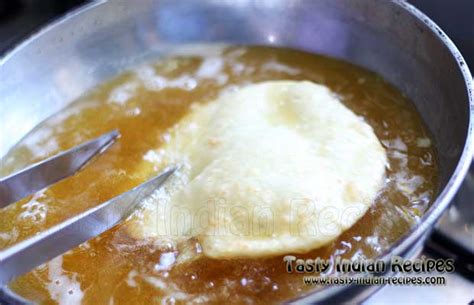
143	104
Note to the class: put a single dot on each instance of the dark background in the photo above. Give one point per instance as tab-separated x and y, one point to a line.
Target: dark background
19	18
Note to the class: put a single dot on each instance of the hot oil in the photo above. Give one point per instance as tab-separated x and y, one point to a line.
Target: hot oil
116	269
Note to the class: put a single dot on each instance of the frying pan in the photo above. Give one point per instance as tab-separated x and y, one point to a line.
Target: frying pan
97	41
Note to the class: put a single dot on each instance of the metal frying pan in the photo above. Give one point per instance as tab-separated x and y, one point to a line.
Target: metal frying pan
392	38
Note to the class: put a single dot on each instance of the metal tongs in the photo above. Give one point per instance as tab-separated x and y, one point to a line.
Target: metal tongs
30	253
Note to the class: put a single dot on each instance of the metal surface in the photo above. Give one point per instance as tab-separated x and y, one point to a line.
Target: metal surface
458	223
44	173
391	38
36	250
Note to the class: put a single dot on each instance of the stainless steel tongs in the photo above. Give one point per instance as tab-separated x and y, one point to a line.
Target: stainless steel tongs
28	254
